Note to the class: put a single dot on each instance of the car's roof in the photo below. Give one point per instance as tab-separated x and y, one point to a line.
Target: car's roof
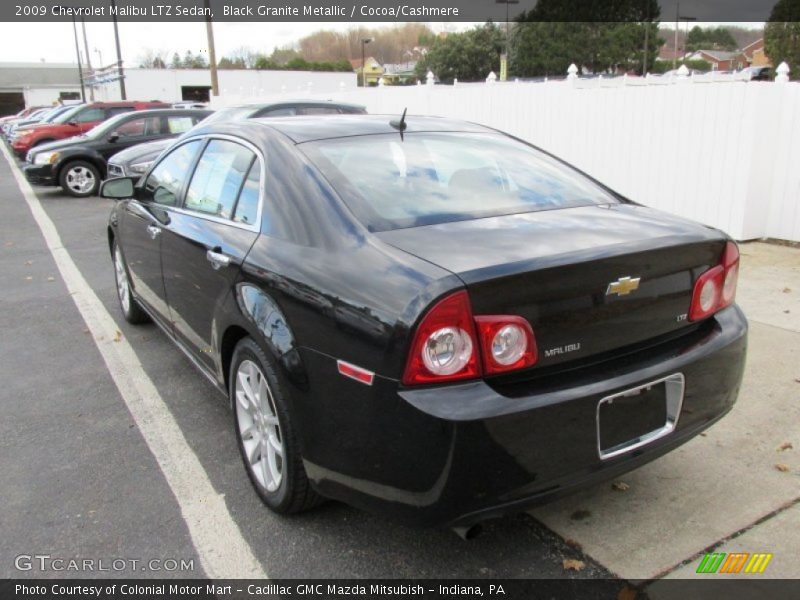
310	128
154	112
293	102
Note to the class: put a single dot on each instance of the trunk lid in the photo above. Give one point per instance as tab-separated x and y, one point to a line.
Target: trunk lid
565	271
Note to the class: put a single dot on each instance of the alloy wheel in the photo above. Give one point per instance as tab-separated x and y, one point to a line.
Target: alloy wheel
259	426
80	180
123	290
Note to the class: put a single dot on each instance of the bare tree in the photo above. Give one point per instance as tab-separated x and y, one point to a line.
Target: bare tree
153	59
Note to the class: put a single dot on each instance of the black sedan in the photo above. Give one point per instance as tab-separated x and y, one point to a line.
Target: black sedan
426	318
78	164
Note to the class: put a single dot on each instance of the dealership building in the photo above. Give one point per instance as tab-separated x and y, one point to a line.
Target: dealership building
41	84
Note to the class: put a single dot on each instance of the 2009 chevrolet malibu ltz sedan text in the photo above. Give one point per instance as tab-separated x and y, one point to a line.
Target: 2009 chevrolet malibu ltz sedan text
426	318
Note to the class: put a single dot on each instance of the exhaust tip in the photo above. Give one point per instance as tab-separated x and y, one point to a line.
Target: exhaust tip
468	533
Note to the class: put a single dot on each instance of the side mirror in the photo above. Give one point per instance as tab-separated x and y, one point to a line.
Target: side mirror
117	188
72	123
113	137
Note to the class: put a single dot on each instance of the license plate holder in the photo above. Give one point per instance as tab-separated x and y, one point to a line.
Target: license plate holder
638	416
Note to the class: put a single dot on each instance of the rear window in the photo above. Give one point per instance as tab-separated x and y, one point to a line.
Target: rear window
430	178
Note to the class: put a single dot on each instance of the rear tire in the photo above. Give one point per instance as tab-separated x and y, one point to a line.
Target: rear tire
131	309
265	432
79	179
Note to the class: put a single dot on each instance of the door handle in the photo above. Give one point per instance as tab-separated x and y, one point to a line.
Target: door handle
217	259
154	231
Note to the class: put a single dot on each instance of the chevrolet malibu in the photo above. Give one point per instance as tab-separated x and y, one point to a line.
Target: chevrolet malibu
426	318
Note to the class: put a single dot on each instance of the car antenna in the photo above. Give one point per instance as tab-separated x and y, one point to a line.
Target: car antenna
401	124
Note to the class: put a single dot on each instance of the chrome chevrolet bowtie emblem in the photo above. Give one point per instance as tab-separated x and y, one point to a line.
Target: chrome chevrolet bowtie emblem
623	286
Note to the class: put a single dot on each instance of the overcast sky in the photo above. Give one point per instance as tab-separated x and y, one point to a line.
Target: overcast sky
53	42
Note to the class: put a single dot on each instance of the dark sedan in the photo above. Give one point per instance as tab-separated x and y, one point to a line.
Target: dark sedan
78	164
426	318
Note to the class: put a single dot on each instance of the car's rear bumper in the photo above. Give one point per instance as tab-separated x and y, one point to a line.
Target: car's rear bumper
40	174
457	454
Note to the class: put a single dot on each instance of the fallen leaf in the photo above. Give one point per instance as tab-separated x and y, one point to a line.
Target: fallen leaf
51	279
620	486
573	543
704	434
572	564
29	262
786	290
118	336
580	515
627	593
786	312
29	278
782	467
797	380
785	446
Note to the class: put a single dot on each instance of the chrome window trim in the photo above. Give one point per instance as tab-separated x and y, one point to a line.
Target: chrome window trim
205	138
675	388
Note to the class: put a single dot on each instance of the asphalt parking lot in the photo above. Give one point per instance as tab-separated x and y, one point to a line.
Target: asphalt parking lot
83	474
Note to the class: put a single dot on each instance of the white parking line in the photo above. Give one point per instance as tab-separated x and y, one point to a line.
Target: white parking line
222	550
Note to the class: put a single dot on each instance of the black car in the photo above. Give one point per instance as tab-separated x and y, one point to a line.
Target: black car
78	164
137	160
426	318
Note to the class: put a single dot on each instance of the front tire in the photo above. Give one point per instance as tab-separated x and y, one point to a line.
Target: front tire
131	310
265	432
79	179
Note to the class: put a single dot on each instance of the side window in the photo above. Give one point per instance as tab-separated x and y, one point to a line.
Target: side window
287	111
180	124
140	127
319	110
247	207
89	115
164	183
218	178
118	110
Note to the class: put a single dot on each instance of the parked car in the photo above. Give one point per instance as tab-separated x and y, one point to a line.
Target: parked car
78	164
137	160
11	129
504	328
79	120
21	114
189	104
758	74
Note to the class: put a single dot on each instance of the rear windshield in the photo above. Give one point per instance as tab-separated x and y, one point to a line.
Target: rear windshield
430	178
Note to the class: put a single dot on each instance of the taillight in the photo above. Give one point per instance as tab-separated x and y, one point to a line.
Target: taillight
446	345
716	288
507	343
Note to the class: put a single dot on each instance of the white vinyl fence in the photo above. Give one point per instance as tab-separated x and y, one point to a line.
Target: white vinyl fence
722	152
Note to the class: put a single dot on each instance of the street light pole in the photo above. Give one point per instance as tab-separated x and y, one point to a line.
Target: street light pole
121	74
89	70
212	54
78	56
364	42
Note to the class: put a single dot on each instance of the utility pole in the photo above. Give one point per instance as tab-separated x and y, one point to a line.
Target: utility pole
646	39
89	70
504	55
212	54
675	47
78	56
120	72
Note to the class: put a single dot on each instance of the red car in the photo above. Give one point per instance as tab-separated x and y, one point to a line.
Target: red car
74	122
